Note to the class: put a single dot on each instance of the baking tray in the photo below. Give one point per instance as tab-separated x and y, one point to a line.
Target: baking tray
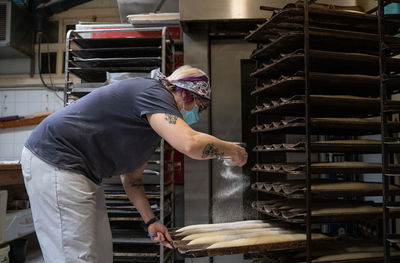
324	83
291	41
117	62
117	52
328	251
99	74
323	106
319	168
297	189
117	42
325	61
361	146
202	251
343	245
294	210
326	126
290	19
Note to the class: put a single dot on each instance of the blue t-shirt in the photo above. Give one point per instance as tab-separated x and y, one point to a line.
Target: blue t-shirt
106	132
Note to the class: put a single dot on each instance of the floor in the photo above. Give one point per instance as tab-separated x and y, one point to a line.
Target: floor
34	256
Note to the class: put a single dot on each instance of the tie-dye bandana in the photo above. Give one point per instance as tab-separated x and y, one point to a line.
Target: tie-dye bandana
197	85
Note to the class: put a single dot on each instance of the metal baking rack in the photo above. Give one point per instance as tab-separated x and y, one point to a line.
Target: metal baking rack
294	212
130	239
334	146
307	50
90	59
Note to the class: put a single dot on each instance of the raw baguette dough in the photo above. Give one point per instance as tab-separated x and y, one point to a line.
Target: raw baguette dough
352	256
220	238
230	232
350	186
349	142
348	210
263	240
228	227
202	226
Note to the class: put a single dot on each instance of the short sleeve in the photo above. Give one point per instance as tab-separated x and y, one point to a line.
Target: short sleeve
156	99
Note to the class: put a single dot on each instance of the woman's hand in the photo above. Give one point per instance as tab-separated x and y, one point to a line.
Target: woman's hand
157	228
239	155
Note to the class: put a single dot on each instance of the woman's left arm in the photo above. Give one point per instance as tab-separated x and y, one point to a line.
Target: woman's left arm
134	188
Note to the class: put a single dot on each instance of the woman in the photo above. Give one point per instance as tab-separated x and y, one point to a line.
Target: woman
111	131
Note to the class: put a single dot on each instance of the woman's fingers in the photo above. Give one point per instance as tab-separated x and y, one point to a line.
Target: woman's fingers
161	237
166	244
168	236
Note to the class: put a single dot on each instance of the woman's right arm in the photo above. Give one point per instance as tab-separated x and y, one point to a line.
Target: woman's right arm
196	145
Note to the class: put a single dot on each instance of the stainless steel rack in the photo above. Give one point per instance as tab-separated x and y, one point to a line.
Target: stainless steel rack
302	56
130	240
90	59
387	49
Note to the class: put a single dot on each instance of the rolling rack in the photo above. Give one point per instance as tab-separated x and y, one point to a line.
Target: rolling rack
320	65
90	58
90	54
130	240
387	137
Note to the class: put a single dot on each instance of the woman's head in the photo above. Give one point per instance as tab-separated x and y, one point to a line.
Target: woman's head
186	72
192	84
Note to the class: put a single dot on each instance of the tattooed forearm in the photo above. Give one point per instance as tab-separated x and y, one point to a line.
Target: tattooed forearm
136	185
170	118
211	151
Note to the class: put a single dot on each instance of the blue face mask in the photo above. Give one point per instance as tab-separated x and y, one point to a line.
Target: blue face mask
191	117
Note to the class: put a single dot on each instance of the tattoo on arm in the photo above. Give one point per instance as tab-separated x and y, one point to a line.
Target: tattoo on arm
170	118
211	151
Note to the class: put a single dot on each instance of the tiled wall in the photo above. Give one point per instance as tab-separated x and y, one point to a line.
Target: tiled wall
22	102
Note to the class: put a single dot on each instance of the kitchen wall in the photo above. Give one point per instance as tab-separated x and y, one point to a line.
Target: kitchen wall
22	102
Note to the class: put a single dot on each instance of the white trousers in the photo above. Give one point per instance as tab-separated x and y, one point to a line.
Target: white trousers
69	213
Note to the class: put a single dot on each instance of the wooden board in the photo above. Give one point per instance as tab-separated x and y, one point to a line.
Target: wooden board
11	174
22	122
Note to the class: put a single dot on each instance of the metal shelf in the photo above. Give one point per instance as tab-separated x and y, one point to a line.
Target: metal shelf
307	50
90	59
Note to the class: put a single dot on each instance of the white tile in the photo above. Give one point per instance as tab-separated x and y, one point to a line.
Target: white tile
46	97
53	97
6	136
34	107
8	96
46	107
21	135
18	150
59	104
21	96
55	106
21	108
8	109
7	151
35	96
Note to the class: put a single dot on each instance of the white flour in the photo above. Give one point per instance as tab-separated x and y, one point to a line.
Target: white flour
228	201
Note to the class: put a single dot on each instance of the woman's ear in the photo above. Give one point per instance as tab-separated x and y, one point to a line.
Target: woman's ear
184	94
